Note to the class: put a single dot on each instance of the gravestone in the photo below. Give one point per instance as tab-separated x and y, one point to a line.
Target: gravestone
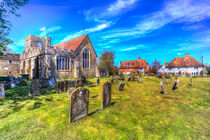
129	78
164	79
97	81
191	80
2	93
174	85
35	88
70	91
121	86
79	100
62	86
106	95
84	79
163	88
79	83
139	79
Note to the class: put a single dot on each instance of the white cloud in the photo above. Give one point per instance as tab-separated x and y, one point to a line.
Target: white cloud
87	31
17	46
115	9
46	31
179	53
185	11
129	48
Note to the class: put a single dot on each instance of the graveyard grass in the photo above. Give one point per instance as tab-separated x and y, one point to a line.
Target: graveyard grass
138	112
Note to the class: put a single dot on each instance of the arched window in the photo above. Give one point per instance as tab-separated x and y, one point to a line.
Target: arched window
86	58
62	63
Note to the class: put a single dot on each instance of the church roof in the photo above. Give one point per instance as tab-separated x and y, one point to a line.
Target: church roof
187	61
72	44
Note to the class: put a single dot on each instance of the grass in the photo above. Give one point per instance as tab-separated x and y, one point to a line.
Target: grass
138	112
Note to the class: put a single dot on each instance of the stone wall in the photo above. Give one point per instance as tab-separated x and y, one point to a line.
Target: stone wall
10	65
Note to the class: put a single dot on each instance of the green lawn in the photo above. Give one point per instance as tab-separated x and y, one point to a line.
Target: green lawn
138	112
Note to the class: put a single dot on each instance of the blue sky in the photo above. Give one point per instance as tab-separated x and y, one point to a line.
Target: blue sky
150	29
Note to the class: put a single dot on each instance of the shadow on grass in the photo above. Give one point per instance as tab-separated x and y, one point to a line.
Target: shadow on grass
93	112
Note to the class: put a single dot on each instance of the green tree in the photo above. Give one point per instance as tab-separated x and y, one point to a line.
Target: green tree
7	8
107	60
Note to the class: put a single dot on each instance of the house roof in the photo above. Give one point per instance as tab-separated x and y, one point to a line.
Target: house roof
72	44
187	61
134	64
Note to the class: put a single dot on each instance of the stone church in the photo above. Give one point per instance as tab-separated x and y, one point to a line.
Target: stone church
41	60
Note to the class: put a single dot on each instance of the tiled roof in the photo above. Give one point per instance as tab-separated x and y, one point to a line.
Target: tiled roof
187	61
72	44
134	64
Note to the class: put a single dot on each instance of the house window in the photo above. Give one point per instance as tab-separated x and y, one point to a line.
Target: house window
127	64
62	63
86	58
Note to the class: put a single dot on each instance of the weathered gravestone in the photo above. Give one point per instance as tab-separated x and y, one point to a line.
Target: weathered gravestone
35	88
79	83
163	88
106	95
139	79
79	101
174	85
62	86
129	78
121	86
164	79
2	93
97	81
70	91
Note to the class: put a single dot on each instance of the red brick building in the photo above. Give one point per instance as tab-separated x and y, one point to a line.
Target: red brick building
135	66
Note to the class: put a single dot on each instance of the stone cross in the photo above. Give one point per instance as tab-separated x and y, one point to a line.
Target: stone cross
79	83
139	79
121	86
79	101
2	93
174	85
35	88
164	79
106	95
163	88
97	81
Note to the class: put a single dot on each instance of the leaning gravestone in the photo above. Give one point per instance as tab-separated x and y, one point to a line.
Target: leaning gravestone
79	100
106	95
164	79
97	81
62	86
35	88
79	83
121	86
174	85
139	79
163	88
2	93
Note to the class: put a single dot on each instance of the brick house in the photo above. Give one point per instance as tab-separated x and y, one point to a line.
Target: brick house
182	65
134	66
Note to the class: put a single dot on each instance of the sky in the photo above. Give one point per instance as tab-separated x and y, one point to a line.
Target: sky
149	29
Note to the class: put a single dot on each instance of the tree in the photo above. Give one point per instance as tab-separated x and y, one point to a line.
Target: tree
7	8
155	66
107	60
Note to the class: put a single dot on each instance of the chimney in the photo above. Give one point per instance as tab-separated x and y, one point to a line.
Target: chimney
187	54
138	58
164	62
